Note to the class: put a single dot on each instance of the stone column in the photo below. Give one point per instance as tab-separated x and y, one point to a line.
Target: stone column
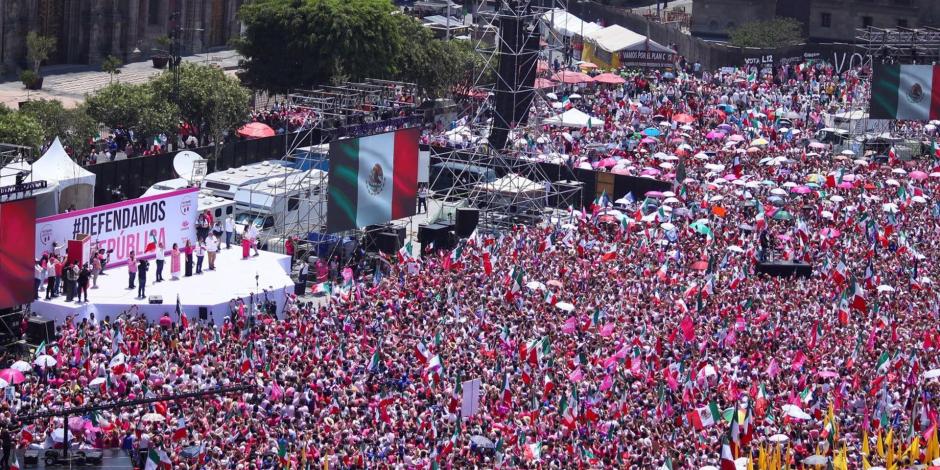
96	31
133	28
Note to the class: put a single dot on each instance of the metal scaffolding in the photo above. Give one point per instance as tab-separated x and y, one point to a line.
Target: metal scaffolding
900	45
333	112
463	177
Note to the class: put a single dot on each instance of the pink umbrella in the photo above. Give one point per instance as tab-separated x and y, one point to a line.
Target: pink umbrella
12	376
609	79
648	140
714	135
256	130
801	190
654	193
76	423
830	232
620	171
567	76
736	138
918	175
541	83
730	177
650	172
828	374
845	185
607	163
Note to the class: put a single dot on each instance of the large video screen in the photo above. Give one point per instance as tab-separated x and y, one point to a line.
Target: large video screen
17	239
373	179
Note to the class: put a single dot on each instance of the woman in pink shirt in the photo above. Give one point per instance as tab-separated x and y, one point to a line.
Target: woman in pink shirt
175	262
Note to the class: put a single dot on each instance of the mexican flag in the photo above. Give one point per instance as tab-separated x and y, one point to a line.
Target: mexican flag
157	460
373	179
705	416
324	288
533	452
905	92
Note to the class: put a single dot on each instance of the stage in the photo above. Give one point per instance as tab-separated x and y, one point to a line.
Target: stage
233	278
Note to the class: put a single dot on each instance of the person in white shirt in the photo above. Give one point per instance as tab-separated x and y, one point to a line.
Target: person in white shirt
252	234
212	247
161	258
200	253
229	228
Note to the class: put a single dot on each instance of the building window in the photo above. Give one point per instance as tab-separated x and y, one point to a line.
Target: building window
825	20
866	21
902	22
153	13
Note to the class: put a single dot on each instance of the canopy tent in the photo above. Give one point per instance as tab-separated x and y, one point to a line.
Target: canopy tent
45	198
512	184
573	118
568	25
622	47
75	185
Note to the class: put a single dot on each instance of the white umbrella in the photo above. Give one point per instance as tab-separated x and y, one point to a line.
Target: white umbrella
889	207
892	182
45	361
735	248
794	411
899	171
671	200
779	191
117	360
667	226
931	374
575	96
884	288
778	438
565	306
535	285
152	418
919	199
815	460
551	96
21	366
97	381
836	198
848	152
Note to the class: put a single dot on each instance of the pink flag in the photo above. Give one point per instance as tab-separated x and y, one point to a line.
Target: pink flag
798	359
607	330
688	328
607	383
576	375
571	325
773	369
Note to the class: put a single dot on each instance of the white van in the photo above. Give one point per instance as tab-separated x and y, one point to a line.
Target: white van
295	204
227	182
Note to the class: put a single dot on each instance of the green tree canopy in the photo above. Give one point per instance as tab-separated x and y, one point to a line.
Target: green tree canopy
73	126
19	128
299	43
209	99
776	32
134	107
435	66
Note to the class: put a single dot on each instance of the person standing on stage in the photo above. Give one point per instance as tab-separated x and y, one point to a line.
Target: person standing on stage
188	251
131	270
229	228
72	277
83	277
175	262
142	268
50	277
96	266
161	258
212	248
200	251
203	223
252	234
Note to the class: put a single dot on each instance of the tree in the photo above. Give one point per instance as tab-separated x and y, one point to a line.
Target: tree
134	107
112	65
20	129
300	43
209	99
776	32
73	126
38	48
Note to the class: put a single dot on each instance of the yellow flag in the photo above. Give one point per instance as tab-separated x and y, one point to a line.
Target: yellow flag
865	464
865	450
933	447
750	463
913	451
761	458
880	446
889	459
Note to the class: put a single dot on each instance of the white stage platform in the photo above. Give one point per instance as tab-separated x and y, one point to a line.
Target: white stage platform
233	278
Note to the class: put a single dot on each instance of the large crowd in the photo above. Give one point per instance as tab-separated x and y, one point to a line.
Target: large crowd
638	337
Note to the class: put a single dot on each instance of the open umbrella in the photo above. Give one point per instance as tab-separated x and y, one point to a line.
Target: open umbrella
256	130
932	374
683	118
22	366
652	132
535	285
12	376
609	79
700	265
45	361
482	442
778	438
782	215
153	418
567	76
565	306
816	460
917	175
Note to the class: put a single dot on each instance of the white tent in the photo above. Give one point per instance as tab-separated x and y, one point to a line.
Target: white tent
566	24
75	186
616	38
573	118
45	198
513	184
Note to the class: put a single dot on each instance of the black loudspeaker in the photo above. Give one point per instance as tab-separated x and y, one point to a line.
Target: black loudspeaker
784	269
387	242
518	53
39	329
155	299
467	220
432	233
203	313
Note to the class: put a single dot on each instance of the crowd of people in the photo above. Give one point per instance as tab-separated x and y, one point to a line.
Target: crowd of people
635	333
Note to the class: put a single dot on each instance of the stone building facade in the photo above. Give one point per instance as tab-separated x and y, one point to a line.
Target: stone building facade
87	31
822	20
